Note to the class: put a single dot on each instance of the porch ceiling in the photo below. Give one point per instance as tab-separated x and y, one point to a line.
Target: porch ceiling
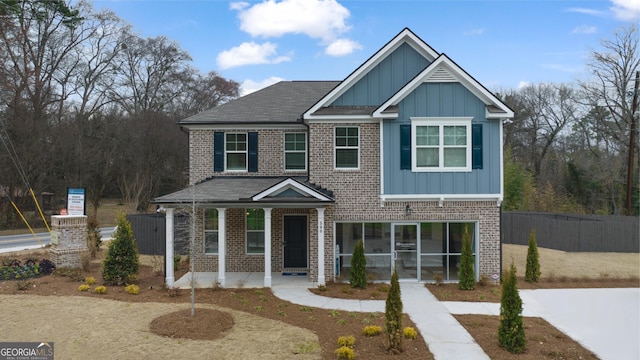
240	190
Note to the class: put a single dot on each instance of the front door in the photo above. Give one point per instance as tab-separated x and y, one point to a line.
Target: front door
405	250
295	241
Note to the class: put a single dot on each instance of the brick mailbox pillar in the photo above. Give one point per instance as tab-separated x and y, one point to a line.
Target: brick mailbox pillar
68	240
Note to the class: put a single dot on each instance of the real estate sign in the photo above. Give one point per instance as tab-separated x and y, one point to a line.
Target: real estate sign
76	201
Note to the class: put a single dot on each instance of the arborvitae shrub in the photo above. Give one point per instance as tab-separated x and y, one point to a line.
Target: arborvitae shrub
358	274
532	273
511	331
94	239
393	316
121	261
467	273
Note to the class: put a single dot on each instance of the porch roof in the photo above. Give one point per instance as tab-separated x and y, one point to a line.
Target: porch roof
244	190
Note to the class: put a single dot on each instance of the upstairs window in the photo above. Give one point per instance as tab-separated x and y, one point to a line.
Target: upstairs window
295	151
255	231
441	144
211	231
347	147
236	151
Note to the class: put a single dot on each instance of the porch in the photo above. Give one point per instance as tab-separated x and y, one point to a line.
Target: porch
205	280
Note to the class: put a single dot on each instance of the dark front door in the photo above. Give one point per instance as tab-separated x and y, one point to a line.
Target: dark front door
295	241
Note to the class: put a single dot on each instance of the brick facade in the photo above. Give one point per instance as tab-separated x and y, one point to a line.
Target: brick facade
68	240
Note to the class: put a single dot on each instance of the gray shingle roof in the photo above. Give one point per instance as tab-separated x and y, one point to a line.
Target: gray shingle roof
235	189
283	102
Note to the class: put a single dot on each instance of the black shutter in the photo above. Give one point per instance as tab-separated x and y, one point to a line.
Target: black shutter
405	147
252	143
476	146
218	151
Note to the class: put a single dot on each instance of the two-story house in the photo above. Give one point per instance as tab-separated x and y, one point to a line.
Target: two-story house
404	154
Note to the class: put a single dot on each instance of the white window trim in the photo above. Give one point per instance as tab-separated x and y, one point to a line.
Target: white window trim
246	238
335	148
204	234
285	151
246	152
440	122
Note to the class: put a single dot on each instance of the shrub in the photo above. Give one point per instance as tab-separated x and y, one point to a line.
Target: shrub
94	239
358	275
345	353
511	331
467	274
90	280
371	330
532	272
410	333
46	267
437	278
23	284
121	260
348	341
176	262
132	289
393	316
100	290
84	287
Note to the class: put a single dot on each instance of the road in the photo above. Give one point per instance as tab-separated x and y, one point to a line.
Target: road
28	241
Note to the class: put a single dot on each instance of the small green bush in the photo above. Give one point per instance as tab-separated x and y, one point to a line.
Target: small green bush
100	290
532	272
372	330
467	272
132	289
121	261
511	331
393	316
84	287
345	353
410	333
358	274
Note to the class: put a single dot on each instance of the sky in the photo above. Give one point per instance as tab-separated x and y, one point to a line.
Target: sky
504	44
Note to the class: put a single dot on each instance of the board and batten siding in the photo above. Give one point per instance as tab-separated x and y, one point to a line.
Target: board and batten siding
385	79
442	100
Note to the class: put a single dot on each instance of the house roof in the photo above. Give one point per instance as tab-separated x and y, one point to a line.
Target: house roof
243	190
283	102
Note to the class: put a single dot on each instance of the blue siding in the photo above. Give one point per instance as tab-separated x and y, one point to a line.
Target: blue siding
433	100
385	79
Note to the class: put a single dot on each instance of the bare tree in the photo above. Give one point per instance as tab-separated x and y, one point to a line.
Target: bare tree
615	67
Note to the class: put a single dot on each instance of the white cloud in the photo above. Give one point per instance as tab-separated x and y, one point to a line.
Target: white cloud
342	47
325	20
587	11
626	10
238	5
523	84
474	32
250	53
249	86
584	29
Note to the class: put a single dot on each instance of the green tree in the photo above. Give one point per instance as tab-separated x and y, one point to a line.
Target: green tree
532	273
467	273
358	274
511	331
393	316
94	239
121	261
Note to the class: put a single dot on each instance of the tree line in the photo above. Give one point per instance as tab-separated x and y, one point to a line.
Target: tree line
86	102
572	147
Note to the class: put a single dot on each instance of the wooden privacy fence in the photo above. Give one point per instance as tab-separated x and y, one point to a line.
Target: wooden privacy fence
573	232
149	230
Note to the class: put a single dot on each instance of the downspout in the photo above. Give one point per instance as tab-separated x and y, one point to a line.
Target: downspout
501	241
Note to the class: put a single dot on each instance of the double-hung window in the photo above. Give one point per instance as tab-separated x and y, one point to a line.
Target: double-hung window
347	147
211	231
236	151
255	231
295	151
441	144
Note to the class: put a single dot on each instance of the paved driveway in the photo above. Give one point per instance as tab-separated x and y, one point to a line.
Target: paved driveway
606	321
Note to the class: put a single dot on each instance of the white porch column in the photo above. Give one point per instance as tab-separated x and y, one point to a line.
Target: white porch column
267	247
222	245
321	279
168	252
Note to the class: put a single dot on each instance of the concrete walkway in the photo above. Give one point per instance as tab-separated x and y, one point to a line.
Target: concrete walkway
446	338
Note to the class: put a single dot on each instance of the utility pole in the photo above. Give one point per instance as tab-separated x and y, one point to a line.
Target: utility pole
632	141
